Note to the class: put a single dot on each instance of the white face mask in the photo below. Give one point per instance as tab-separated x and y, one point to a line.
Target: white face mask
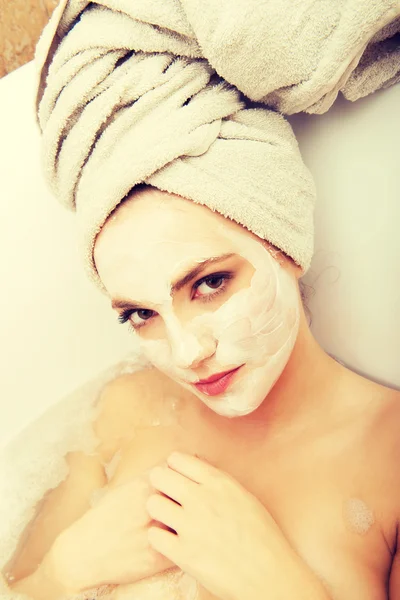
251	322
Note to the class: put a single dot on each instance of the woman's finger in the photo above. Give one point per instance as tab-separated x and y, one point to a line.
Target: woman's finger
165	510
165	543
171	483
192	467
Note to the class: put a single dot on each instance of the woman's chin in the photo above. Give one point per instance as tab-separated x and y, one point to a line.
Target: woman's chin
232	404
225	408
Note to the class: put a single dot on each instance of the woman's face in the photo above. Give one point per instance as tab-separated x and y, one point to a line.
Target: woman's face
203	296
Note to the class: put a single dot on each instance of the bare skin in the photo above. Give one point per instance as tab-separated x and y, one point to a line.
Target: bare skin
321	452
347	448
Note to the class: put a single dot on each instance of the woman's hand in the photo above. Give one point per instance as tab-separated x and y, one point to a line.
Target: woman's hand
225	538
109	544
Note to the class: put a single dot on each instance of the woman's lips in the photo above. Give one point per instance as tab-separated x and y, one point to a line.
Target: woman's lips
216	384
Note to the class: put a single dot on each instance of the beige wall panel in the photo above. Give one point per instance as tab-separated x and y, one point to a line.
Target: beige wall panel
21	23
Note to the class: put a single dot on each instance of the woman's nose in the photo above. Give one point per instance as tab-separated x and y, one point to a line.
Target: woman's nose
190	350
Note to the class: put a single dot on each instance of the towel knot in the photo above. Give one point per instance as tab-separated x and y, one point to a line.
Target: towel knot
208	134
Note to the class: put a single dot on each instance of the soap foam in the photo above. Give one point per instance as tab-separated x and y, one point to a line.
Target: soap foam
33	463
104	592
172	584
358	517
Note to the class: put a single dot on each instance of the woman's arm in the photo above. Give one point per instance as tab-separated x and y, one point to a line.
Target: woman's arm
59	509
42	584
64	505
63	509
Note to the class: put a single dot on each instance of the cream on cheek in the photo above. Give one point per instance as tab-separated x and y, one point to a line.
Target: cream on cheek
257	327
262	335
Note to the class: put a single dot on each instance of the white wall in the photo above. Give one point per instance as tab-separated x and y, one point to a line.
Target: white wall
353	153
57	331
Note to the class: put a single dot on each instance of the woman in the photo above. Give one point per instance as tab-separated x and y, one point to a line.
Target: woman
318	449
285	484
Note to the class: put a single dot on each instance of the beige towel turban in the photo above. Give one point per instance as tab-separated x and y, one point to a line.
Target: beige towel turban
132	91
129	98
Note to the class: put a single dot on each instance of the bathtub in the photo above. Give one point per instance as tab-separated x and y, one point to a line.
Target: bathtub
58	333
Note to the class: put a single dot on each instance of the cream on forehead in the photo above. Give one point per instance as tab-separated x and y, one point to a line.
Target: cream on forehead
168	257
176	258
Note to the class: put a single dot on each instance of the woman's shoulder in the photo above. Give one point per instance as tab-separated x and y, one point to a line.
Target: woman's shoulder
139	395
383	403
376	404
371	413
378	409
385	433
144	398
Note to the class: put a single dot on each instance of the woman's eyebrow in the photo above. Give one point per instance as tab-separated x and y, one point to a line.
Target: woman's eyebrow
194	272
183	280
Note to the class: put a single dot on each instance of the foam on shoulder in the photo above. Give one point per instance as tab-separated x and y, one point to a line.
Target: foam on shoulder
33	463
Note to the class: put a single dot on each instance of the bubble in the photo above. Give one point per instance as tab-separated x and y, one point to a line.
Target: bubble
169	413
358	517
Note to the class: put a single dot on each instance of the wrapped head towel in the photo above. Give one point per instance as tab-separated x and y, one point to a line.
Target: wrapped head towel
126	97
132	91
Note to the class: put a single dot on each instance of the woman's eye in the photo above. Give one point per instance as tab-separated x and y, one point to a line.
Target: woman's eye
210	284
143	315
136	318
